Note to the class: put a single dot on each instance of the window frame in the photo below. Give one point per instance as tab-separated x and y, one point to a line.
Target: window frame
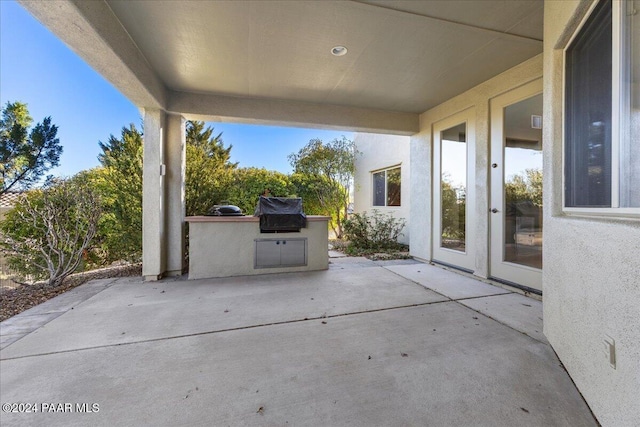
386	186
619	112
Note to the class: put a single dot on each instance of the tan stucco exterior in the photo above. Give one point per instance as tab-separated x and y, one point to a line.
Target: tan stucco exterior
421	163
379	152
591	285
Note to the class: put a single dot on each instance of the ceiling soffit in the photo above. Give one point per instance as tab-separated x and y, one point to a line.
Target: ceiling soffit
403	56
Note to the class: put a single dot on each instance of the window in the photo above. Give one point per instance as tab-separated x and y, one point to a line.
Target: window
602	111
386	187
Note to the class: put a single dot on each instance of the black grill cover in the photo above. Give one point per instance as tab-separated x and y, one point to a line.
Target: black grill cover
281	214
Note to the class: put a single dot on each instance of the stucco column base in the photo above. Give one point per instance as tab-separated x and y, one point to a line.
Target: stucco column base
153	199
175	160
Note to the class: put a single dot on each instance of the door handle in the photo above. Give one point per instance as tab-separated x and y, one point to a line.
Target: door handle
494	210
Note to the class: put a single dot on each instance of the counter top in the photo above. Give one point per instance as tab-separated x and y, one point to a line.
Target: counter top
246	218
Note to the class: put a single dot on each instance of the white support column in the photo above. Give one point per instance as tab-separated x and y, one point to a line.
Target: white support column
175	154
153	200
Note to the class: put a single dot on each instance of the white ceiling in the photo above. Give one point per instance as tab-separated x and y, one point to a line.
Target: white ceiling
404	56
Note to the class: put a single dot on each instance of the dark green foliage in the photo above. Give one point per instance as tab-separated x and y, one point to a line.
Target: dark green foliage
249	183
307	187
329	169
209	173
377	231
208	177
50	230
454	208
120	183
25	156
525	187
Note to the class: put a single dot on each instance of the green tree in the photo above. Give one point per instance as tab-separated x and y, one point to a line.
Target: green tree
249	183
525	187
306	187
453	216
120	183
208	178
209	171
25	156
332	166
49	231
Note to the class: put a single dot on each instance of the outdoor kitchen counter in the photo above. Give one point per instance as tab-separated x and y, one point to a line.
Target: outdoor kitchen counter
224	246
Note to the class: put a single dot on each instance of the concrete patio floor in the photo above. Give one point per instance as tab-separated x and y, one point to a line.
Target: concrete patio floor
363	343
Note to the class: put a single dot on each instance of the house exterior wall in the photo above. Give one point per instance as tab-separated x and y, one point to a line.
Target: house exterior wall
421	162
591	285
381	152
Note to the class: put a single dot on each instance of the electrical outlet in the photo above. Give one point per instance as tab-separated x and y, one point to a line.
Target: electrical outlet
610	350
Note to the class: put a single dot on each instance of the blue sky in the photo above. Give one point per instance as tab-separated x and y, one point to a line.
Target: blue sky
39	70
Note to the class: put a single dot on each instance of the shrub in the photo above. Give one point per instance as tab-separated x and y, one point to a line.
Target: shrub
376	231
49	231
249	183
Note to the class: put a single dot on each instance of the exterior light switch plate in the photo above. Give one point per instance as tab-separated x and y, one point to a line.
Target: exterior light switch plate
610	350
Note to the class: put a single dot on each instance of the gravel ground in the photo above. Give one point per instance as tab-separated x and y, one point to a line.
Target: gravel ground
21	298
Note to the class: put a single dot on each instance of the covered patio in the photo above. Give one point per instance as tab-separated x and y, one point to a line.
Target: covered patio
363	343
414	68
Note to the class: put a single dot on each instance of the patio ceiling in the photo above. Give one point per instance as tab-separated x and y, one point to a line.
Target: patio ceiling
199	57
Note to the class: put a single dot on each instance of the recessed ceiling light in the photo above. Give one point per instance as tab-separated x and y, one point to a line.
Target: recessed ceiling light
339	51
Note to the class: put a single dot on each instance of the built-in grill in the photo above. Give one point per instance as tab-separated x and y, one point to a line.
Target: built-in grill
224	210
280	214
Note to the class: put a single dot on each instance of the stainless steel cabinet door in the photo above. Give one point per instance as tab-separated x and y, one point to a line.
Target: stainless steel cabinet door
280	252
293	252
267	253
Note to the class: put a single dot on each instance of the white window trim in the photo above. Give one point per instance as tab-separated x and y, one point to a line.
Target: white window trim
386	187
617	76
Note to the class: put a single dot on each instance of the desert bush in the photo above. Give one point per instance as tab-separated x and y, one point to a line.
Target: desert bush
49	230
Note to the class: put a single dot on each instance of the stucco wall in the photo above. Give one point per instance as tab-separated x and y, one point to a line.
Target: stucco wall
380	152
225	246
591	276
421	160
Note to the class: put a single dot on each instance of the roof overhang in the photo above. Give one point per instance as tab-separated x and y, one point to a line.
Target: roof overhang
270	62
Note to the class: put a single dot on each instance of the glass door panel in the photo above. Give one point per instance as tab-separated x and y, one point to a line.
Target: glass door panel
453	190
516	186
523	183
